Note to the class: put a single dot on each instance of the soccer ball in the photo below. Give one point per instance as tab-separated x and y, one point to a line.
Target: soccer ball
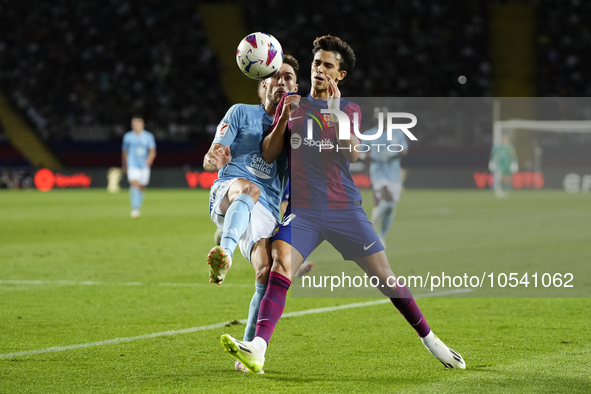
259	56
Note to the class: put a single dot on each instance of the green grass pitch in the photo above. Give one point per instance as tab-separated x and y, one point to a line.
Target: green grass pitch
76	269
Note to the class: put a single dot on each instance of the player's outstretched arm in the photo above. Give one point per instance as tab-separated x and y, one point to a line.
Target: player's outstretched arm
273	143
216	158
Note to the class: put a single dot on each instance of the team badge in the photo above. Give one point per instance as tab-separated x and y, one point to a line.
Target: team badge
222	129
327	119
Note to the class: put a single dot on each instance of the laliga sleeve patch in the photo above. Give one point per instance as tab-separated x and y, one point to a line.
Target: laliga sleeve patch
222	129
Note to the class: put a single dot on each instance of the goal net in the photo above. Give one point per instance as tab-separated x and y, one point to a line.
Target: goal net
554	151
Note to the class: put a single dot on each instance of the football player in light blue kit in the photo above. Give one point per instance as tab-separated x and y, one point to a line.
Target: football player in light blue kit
384	172
244	200
138	154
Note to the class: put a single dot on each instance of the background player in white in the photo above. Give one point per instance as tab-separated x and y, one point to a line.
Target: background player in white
138	154
385	175
245	199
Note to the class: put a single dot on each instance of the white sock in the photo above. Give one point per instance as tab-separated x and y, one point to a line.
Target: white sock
429	340
260	344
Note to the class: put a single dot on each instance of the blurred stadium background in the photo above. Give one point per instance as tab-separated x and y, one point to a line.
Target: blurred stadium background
92	301
72	73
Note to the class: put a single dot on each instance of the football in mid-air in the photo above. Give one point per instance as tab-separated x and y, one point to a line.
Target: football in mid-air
259	55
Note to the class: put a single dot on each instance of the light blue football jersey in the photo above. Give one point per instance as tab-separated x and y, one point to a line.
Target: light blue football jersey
386	164
243	129
138	148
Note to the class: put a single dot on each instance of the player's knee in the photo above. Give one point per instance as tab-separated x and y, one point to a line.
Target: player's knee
386	283
251	189
389	292
282	264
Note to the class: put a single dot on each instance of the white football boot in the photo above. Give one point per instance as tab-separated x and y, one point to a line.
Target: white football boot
448	357
247	352
135	213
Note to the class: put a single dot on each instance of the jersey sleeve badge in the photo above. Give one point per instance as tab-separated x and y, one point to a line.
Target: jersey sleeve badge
222	129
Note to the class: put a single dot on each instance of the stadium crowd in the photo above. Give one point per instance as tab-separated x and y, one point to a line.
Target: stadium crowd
72	65
78	69
564	41
403	48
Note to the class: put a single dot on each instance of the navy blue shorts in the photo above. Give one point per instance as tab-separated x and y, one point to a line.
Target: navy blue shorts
348	230
283	230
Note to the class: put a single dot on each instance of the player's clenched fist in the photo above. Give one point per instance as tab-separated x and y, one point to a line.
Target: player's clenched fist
290	100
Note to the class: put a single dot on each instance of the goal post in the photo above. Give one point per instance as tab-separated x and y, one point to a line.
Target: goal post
562	149
559	126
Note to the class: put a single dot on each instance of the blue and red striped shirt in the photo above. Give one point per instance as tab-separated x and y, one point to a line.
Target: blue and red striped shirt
319	177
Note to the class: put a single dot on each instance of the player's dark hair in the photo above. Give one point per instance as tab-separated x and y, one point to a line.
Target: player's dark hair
335	44
288	59
137	116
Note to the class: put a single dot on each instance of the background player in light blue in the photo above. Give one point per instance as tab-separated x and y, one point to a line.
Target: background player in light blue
385	175
245	199
138	154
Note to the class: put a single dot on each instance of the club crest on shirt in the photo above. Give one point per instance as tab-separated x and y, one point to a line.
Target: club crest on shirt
222	129
327	119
